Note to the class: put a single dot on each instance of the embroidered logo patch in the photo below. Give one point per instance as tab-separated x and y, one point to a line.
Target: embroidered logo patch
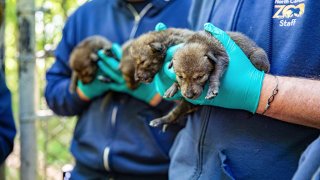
288	11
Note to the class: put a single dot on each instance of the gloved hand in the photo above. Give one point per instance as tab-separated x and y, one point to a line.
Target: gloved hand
97	87
110	67
145	92
166	77
240	85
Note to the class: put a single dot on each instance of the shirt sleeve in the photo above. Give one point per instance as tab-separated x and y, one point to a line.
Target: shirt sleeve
58	77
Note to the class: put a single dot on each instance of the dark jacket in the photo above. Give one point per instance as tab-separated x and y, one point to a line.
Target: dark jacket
220	143
309	164
7	127
116	138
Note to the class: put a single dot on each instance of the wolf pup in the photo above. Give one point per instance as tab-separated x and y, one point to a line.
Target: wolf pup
83	59
148	52
127	66
202	57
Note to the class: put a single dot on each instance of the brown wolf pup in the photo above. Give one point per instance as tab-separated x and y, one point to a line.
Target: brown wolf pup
202	57
127	66
83	61
148	52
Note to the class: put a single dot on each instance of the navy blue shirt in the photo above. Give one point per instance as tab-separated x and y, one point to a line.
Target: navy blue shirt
116	137
7	127
220	143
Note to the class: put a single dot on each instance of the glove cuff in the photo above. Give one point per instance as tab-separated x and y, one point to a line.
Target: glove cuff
253	92
86	90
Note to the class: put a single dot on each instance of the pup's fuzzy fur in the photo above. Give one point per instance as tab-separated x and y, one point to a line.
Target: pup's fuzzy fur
203	57
83	59
127	66
148	52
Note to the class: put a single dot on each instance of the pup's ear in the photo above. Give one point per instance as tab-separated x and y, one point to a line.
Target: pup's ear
156	47
130	51
106	47
211	57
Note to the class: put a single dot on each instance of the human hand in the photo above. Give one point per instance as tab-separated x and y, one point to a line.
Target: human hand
98	86
107	77
144	92
166	76
109	67
241	83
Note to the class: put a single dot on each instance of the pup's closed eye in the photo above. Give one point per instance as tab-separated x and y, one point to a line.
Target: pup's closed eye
180	77
199	77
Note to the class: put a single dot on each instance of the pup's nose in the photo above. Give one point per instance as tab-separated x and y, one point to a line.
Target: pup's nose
141	77
189	94
136	77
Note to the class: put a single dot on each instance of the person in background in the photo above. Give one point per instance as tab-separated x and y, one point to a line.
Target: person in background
259	124
116	141
7	126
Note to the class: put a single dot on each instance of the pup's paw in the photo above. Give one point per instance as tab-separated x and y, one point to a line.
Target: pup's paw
170	92
94	57
165	127
157	122
212	93
260	60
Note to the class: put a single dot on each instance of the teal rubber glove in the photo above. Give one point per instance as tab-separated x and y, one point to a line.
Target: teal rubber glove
110	67
166	77
241	83
97	87
145	92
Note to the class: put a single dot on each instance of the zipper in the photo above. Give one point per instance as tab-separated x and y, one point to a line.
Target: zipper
204	127
137	17
114	116
106	151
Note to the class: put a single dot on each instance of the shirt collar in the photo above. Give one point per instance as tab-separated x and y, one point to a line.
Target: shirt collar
157	4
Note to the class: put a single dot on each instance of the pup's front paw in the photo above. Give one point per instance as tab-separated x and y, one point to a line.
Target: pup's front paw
94	57
171	92
212	93
157	122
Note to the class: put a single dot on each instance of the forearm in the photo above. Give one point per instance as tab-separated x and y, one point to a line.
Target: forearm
57	93
61	101
298	100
